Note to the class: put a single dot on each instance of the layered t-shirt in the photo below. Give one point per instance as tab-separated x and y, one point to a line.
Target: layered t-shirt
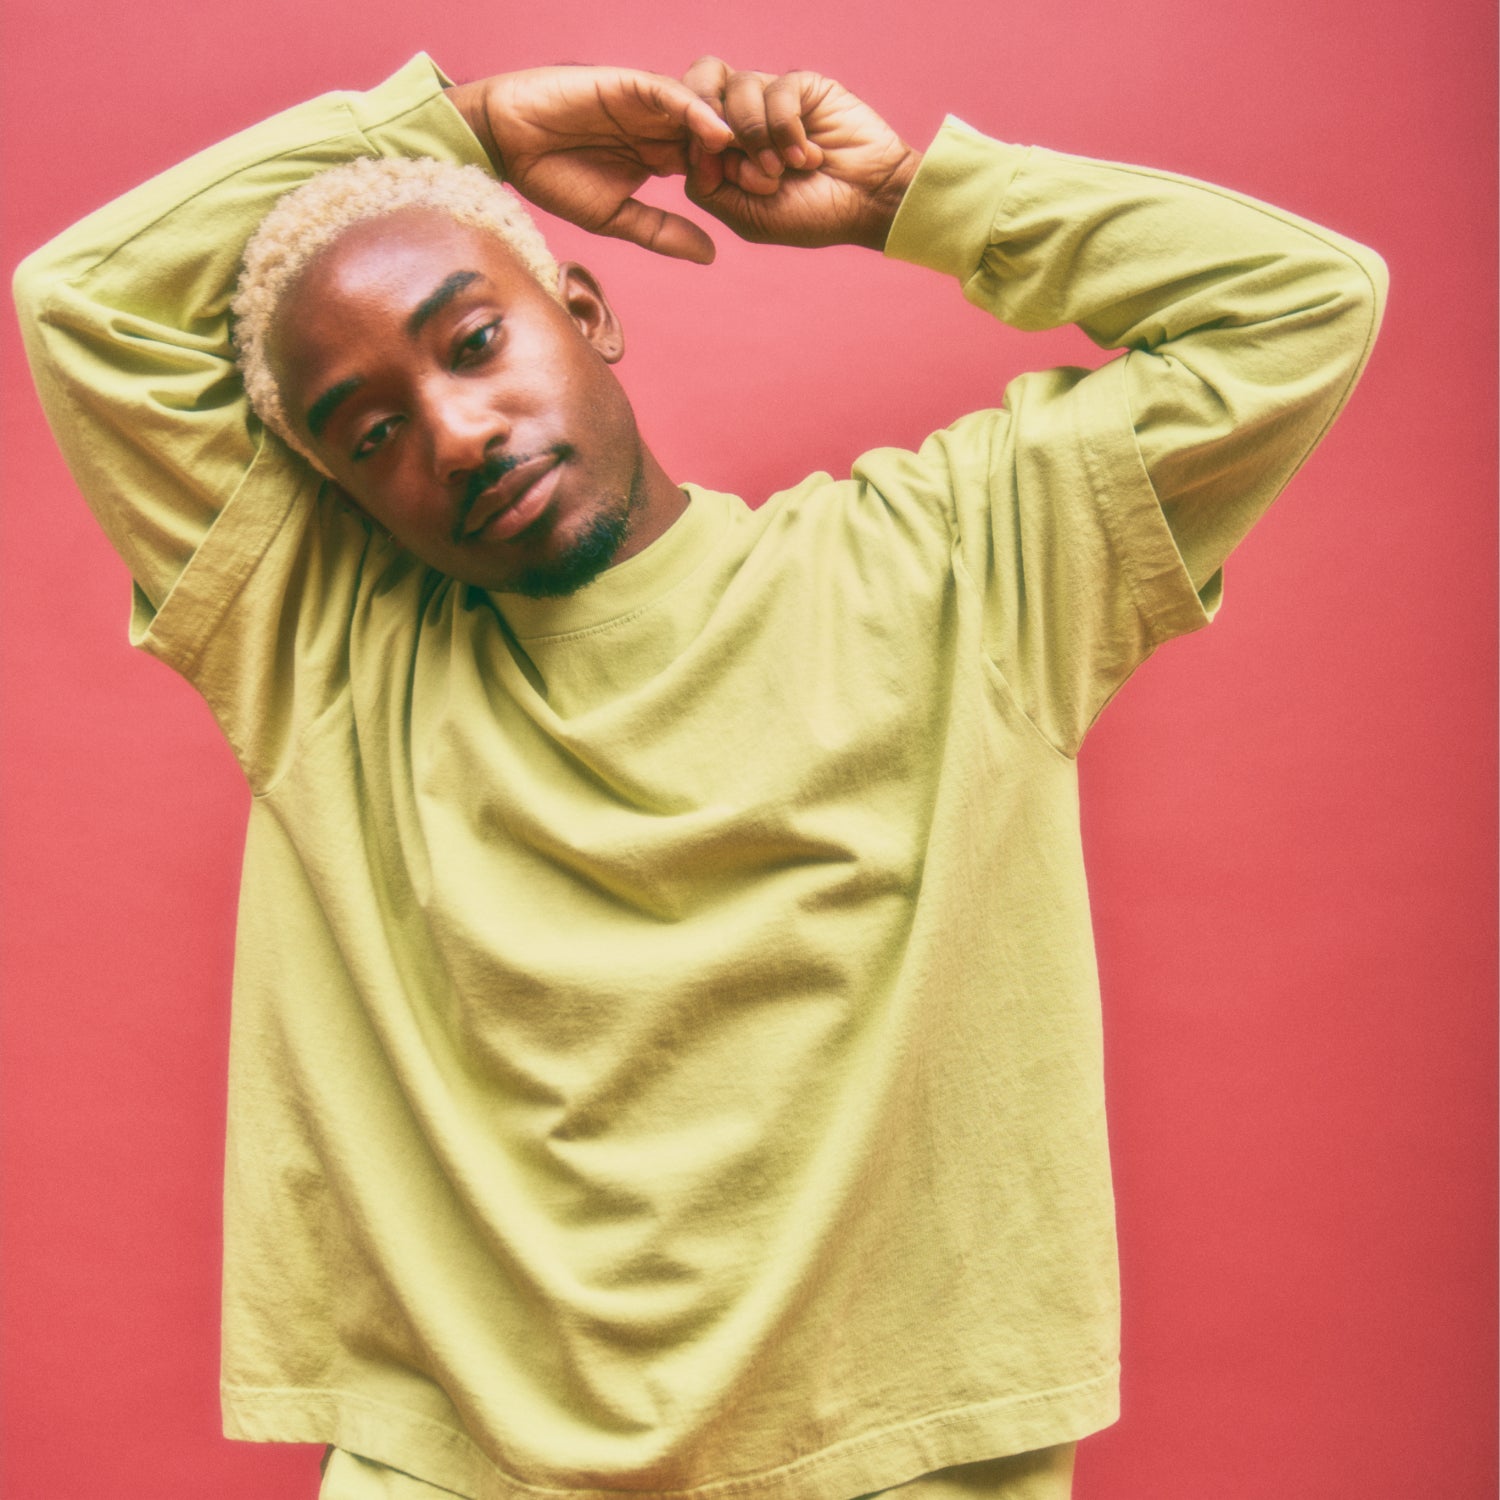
666	1033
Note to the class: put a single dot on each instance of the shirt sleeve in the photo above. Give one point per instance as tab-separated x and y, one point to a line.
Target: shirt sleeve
125	318
1094	510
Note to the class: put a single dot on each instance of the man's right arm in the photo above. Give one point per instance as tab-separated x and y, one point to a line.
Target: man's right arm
126	322
126	315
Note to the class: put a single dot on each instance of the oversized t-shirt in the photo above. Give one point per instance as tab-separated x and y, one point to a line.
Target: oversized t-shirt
666	1037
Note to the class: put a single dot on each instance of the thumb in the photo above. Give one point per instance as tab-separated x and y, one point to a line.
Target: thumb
728	202
656	229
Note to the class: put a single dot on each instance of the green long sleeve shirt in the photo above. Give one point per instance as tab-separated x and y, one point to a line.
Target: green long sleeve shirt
666	1037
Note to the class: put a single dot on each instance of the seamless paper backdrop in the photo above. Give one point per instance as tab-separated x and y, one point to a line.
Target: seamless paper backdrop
1289	817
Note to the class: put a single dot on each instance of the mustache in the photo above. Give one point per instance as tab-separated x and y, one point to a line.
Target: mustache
491	472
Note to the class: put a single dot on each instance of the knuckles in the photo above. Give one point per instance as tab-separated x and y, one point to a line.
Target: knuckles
764	110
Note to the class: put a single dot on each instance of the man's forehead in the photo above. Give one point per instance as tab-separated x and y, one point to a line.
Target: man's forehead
406	247
387	275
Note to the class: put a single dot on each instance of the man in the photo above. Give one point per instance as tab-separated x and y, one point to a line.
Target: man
666	1037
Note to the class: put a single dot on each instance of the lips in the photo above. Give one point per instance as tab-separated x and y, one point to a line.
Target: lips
509	504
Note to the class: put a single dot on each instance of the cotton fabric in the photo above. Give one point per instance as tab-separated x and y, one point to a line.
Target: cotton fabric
666	1038
1043	1475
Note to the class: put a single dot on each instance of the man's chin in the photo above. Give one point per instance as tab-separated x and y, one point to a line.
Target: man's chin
581	561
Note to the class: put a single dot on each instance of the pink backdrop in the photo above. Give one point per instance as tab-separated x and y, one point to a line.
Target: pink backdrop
1290	817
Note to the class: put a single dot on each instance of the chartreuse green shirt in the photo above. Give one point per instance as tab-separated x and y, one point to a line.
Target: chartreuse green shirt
666	1041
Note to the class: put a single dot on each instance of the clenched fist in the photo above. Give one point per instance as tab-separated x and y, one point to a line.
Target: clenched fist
810	164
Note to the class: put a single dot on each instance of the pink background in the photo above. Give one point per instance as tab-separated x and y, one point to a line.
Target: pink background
1289	818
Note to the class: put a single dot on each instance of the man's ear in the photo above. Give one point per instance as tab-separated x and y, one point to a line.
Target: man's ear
589	309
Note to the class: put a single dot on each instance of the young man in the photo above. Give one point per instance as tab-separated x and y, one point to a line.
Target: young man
666	1037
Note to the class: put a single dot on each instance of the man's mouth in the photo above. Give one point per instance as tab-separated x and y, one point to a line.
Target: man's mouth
503	497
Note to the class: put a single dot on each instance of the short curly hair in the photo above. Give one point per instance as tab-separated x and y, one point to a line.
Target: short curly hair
307	220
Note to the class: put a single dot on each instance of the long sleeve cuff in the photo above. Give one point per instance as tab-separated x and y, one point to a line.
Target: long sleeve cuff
947	216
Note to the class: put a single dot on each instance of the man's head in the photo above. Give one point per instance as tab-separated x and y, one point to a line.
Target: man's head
402	325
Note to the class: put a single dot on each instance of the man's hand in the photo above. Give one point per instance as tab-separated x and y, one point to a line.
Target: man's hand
578	142
811	164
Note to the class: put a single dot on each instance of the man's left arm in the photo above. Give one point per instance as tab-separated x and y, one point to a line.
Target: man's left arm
1247	327
1093	510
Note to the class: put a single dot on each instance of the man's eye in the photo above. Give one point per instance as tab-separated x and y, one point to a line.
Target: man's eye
476	343
373	437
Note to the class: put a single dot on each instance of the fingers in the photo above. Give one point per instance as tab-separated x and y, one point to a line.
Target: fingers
706	126
745	110
708	173
766	114
784	102
656	229
686	107
706	78
705	171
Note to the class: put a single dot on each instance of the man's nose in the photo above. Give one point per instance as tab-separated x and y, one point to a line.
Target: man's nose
467	429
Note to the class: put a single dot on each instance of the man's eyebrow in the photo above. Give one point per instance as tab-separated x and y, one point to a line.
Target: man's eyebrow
447	290
321	409
450	286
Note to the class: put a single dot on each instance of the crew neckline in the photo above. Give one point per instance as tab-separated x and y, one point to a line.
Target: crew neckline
627	587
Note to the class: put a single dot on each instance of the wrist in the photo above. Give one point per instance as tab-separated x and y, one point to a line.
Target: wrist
472	101
886	199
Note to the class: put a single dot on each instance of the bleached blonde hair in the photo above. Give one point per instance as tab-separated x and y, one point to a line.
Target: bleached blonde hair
307	220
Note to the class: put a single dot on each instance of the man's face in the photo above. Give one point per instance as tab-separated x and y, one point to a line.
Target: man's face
464	409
